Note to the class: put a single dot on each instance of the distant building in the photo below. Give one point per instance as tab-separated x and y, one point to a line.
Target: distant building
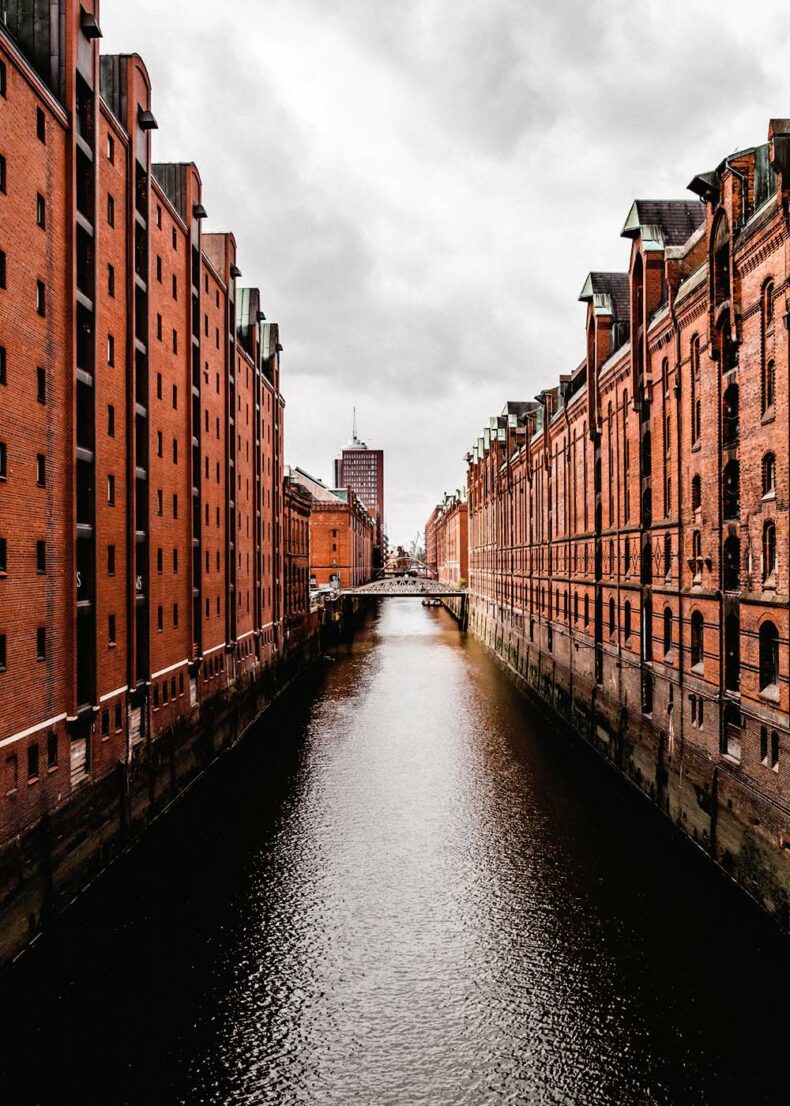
362	470
451	537
341	534
430	542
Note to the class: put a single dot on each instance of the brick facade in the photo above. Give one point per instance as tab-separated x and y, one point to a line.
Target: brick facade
629	529
141	430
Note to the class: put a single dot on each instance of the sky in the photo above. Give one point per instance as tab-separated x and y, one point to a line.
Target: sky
419	187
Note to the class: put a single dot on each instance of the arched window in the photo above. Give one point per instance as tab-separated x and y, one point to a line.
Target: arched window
769	553
732	564
731	494
697	641
696	556
769	474
696	492
611	618
769	386
769	659
731	415
696	403
627	621
667	631
768	304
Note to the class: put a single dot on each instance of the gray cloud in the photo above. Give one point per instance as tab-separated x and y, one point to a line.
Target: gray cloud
420	187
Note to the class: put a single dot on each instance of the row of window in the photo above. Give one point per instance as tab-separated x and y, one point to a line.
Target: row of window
33	763
41	557
41	647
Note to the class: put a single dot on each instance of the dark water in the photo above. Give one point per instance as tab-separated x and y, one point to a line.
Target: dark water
404	890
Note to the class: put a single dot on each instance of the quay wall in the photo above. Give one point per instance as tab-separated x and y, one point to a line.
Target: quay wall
745	832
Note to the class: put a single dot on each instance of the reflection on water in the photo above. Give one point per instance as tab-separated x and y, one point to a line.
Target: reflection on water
404	890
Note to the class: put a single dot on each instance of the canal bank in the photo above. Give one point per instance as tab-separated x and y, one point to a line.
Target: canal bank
46	867
405	890
743	831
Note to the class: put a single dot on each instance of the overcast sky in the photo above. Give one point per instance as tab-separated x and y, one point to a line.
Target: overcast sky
419	187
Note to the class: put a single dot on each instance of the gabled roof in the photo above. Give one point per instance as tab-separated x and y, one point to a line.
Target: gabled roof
663	223
317	489
608	293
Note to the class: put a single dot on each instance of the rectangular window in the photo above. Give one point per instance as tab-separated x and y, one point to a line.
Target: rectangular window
41	385
159	502
3	461
110	350
159	216
110	560
774	750
52	749
2	268
175	451
175	239
175	614
160	619
41	470
175	560
158	385
105	723
164	692
110	209
32	762
2	653
111	629
3	363
2	174
175	397
41	298
159	561
175	287
41	211
3	555
41	643
156	696
159	268
159	444
41	557
111	149
118	717
111	420
175	341
175	505
41	126
3	80
111	281
159	327
111	490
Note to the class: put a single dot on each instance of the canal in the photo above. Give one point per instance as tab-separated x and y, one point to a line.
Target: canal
404	890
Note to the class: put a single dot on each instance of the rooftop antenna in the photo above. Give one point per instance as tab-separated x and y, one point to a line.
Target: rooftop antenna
354	431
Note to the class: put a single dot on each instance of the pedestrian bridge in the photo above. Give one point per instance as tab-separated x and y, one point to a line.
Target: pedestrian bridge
407	585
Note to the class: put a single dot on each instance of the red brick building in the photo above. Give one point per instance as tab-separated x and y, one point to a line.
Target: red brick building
297	503
342	535
141	428
629	530
451	536
429	538
362	470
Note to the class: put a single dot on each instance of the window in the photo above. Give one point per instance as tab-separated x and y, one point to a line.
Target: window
769	474
769	553
2	174
769	660
159	444
175	614
164	692
175	341
118	717
175	286
111	281
110	350
732	563
159	327
52	749
159	268
41	126
105	723
2	269
158	385
774	751
731	413
3	80
111	490
175	451
111	420
41	298
768	304
41	470
41	557
41	643
111	638
667	631
696	492
627	621
611	618
175	505
41	210
159	561
175	397
32	761
697	641
3	364
175	239
696	556
110	560
156	696
111	149
160	618
159	216
3	555
731	490
696	402
769	386
159	502
175	560
2	653
110	209
3	461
